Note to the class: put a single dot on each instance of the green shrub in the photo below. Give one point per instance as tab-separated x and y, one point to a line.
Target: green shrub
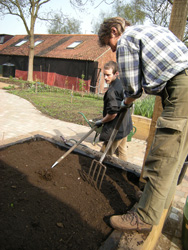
9	87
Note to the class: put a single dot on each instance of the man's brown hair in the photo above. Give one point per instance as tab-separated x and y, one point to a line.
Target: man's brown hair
111	65
105	28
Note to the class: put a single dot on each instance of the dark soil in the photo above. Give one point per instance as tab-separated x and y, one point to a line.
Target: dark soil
44	208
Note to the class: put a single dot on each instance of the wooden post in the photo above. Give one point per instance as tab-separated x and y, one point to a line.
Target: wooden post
178	17
72	92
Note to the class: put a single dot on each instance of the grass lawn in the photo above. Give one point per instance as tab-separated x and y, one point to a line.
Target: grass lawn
64	105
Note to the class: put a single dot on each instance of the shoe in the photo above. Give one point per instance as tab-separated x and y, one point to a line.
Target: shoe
129	222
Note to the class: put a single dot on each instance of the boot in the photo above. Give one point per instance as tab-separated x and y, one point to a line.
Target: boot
129	222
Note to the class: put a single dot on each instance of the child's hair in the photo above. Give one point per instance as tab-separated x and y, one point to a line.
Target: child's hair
105	28
111	65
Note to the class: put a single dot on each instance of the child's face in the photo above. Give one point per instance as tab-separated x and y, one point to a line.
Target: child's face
109	76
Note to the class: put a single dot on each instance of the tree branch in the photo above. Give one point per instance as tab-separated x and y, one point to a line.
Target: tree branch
170	1
105	1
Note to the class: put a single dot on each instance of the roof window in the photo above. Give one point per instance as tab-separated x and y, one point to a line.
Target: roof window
74	44
21	43
38	42
2	38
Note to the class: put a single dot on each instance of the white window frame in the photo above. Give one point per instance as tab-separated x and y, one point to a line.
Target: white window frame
74	44
21	43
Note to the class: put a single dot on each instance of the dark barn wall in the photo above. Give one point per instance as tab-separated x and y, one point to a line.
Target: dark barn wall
20	62
67	67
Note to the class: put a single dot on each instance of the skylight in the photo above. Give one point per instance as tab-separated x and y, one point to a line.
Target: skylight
1	39
38	42
21	43
74	44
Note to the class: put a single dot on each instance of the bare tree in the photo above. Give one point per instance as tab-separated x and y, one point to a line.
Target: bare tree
82	4
96	22
132	11
158	12
61	24
25	9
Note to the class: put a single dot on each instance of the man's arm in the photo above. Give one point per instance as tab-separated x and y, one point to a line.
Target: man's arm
126	103
129	100
129	70
107	118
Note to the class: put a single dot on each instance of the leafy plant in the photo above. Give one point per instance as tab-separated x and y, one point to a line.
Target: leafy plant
66	82
9	87
82	84
144	106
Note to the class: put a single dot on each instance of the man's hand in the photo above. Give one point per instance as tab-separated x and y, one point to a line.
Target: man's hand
124	106
98	123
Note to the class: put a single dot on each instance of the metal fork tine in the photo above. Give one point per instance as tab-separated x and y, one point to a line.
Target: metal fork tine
89	173
104	171
99	171
96	169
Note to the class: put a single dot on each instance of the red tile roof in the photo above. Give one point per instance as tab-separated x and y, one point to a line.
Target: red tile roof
55	46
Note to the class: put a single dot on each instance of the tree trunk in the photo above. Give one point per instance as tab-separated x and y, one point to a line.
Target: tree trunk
31	59
177	26
32	41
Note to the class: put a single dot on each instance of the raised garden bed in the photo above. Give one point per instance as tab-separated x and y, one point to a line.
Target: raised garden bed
142	125
45	208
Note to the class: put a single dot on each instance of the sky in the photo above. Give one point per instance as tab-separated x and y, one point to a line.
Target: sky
14	26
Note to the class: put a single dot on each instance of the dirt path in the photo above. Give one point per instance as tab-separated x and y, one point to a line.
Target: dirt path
2	85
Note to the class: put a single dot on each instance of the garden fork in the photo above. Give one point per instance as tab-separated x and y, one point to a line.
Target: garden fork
74	146
97	170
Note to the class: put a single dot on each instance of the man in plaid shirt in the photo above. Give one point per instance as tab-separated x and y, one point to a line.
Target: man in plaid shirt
152	59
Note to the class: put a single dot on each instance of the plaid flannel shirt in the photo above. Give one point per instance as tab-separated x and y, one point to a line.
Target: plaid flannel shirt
148	56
